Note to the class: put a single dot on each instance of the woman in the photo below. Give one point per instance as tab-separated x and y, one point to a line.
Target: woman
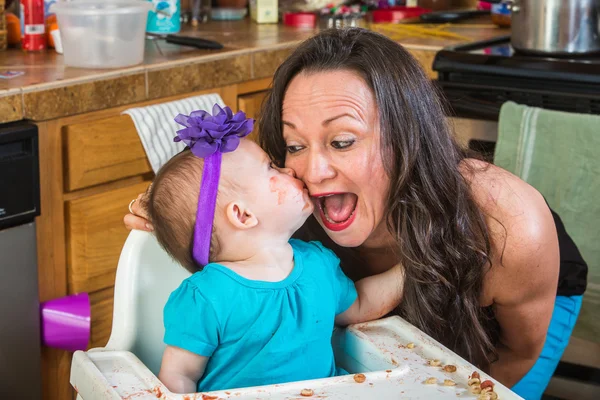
353	114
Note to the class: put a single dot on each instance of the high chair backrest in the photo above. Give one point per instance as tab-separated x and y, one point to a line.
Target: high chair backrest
146	276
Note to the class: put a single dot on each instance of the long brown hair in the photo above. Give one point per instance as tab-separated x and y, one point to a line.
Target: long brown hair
441	234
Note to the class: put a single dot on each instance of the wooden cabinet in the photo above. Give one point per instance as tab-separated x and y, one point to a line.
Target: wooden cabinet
95	235
251	104
102	151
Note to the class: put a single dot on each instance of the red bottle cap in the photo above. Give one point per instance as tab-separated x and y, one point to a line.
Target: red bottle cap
397	14
300	20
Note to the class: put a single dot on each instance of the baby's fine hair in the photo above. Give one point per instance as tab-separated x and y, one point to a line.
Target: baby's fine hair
172	206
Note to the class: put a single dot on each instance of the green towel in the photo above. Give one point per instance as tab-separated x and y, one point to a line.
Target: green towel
559	154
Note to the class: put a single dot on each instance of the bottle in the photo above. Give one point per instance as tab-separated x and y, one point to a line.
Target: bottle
164	18
33	25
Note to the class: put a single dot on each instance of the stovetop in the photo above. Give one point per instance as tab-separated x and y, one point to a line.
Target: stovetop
477	78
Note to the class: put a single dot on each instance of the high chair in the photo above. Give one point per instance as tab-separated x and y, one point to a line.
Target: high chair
377	354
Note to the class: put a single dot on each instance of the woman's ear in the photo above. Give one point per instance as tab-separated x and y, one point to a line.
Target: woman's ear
240	216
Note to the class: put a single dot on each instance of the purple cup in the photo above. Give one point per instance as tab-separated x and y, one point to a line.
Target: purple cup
65	322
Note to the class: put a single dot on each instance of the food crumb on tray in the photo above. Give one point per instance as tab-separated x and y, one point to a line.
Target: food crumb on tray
449	382
430	381
307	392
449	368
360	378
435	363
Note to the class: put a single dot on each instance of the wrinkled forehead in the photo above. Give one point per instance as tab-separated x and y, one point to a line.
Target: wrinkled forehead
312	96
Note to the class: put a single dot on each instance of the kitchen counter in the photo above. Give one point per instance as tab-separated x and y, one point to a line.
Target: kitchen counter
49	89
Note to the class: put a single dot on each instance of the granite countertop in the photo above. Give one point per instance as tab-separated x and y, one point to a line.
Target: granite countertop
48	89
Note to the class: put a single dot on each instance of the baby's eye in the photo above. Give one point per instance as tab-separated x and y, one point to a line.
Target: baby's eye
293	149
341	144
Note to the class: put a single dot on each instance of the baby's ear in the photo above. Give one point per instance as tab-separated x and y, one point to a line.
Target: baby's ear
240	216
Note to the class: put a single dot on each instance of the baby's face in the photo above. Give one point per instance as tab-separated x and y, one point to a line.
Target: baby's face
279	200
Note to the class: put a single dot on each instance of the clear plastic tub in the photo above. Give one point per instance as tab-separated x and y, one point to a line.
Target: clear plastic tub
102	33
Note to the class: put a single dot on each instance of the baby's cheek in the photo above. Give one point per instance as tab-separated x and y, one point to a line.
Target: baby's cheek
276	187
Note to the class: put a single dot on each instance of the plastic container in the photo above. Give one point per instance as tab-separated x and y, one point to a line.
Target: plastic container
102	33
228	14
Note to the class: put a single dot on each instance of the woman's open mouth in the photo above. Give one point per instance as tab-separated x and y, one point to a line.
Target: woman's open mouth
337	210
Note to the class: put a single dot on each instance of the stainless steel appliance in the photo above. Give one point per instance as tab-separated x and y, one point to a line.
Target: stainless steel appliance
20	358
478	78
565	27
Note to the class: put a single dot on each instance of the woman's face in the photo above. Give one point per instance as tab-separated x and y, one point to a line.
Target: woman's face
331	131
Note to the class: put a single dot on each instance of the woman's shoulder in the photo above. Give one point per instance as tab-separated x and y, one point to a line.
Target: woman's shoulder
521	228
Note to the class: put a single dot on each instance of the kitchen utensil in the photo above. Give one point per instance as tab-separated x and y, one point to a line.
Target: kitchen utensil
558	27
451	16
196	42
102	33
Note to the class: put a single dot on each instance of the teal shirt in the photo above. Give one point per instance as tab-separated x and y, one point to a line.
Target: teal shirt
261	333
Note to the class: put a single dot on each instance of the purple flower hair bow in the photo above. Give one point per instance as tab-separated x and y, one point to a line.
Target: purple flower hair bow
206	134
208	137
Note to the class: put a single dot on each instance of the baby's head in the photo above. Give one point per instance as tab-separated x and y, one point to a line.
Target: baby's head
256	203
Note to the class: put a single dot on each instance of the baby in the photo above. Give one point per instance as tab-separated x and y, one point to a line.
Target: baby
260	307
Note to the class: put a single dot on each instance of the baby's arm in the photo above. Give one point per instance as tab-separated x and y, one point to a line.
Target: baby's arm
181	370
378	295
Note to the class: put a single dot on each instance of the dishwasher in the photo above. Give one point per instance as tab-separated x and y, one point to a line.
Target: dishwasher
20	348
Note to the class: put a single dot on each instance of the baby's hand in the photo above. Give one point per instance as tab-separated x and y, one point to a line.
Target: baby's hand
181	370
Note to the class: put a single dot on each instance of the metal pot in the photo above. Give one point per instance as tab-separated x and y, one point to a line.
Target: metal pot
556	27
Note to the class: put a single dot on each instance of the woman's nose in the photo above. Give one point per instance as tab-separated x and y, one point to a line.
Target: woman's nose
318	168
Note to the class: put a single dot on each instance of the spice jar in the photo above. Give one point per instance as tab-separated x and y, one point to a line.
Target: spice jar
501	14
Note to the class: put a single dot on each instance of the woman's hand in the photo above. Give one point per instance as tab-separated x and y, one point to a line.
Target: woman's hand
138	218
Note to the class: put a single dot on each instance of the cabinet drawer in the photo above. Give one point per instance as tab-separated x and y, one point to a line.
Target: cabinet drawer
102	314
102	151
95	236
250	104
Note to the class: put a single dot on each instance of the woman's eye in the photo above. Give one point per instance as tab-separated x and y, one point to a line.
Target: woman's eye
293	149
341	144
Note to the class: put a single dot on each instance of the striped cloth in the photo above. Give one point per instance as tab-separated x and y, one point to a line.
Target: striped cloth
156	125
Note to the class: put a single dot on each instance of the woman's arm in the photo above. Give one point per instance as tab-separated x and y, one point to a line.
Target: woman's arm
378	295
181	370
524	275
139	220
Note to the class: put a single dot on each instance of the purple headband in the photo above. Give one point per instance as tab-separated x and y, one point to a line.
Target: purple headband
208	137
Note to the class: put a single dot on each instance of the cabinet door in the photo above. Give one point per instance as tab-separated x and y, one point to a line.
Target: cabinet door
95	236
250	104
102	151
102	315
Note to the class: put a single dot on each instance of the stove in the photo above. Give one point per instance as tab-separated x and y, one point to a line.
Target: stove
479	77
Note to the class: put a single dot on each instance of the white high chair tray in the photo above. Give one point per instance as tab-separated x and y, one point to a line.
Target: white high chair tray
376	349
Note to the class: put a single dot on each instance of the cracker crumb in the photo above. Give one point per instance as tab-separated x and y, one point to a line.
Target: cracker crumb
360	378
449	382
435	363
484	396
449	368
388	370
410	345
430	381
487	384
307	392
473	381
475	389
